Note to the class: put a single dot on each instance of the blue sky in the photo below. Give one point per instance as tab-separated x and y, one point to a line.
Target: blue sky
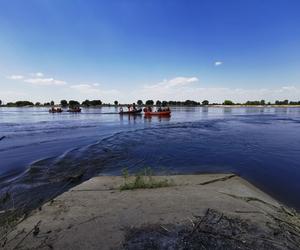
169	50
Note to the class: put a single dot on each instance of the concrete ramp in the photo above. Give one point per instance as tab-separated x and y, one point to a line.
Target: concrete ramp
97	215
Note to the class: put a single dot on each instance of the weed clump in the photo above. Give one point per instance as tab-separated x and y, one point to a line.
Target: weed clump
143	180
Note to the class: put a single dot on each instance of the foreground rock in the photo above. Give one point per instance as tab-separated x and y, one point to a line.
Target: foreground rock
197	212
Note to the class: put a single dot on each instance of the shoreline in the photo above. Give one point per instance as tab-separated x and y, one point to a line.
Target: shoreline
96	213
174	106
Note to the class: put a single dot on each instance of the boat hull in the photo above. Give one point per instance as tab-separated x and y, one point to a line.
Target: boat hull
55	111
163	113
74	111
136	112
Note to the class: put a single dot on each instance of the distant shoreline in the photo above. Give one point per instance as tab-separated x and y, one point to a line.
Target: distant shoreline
255	106
125	105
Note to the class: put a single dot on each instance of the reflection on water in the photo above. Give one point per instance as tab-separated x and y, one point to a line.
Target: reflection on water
260	144
227	110
157	118
130	118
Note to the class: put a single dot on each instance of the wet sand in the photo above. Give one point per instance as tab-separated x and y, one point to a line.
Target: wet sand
197	209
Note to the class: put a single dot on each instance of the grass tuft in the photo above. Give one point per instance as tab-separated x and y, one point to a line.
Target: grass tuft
143	180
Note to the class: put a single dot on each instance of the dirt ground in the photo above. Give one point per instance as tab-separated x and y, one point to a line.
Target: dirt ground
213	211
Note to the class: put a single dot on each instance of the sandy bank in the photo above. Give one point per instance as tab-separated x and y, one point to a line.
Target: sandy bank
199	209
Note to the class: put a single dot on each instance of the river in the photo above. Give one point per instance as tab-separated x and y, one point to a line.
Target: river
38	150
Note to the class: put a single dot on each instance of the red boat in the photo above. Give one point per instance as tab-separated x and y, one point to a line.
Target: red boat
161	113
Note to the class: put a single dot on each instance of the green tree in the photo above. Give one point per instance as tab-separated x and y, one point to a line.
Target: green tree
37	104
262	102
23	103
86	103
96	103
164	103
0	102
253	103
73	103
52	103
285	102
190	103
149	102
228	102
205	102
140	102
172	103
64	103
116	103
158	103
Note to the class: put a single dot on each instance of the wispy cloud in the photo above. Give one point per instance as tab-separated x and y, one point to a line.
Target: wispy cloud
174	82
45	81
218	63
37	74
15	77
84	88
38	79
288	88
172	88
93	89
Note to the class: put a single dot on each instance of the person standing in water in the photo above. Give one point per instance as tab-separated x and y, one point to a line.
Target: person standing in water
133	107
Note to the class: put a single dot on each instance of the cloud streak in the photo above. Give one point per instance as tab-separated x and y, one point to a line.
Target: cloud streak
92	90
15	77
176	82
38	74
38	79
45	81
218	63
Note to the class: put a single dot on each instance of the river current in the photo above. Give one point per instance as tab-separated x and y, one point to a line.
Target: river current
40	151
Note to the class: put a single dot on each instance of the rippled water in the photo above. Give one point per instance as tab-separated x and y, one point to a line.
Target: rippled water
40	150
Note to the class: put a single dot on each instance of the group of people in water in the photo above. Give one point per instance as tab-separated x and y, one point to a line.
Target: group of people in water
55	110
59	110
159	109
133	108
75	109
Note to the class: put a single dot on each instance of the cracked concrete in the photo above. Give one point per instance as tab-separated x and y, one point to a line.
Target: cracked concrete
97	215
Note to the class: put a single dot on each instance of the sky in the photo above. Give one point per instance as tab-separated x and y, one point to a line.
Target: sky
127	50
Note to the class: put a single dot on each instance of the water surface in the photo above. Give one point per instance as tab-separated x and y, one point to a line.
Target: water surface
40	150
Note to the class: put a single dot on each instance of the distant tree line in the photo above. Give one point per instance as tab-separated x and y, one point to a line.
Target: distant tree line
169	103
19	104
262	103
95	103
88	103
